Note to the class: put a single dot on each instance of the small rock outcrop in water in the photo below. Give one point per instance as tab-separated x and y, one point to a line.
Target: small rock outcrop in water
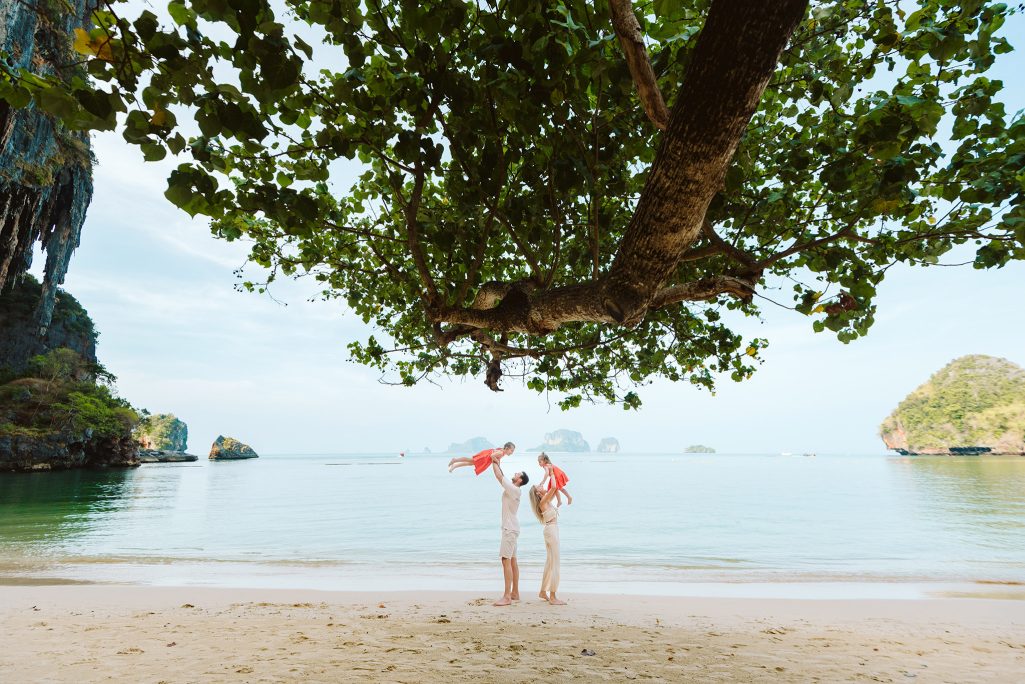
974	404
699	449
563	440
230	449
470	446
45	169
162	432
160	456
608	445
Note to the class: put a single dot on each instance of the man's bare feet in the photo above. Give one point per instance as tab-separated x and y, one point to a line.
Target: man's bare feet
503	602
556	602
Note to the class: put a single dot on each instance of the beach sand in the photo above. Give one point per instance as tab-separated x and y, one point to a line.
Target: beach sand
162	634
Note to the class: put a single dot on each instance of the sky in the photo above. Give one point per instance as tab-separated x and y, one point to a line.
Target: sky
274	372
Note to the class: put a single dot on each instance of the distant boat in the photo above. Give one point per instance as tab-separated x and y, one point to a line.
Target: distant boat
809	455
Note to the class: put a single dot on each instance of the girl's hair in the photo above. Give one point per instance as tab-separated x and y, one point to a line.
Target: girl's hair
543	457
509	445
535	504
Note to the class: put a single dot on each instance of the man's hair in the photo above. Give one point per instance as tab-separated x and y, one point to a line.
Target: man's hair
524	479
509	445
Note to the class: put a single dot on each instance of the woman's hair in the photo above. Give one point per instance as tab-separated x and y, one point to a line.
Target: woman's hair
509	445
535	504
543	457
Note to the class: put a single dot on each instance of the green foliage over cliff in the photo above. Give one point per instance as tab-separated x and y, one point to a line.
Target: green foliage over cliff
59	395
972	401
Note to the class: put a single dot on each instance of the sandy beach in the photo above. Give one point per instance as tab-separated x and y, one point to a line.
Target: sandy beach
159	634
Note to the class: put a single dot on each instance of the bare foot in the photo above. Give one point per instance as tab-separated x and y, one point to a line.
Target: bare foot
569	500
543	596
556	602
502	602
515	597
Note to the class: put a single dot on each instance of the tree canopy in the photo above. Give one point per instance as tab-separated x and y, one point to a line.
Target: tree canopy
576	191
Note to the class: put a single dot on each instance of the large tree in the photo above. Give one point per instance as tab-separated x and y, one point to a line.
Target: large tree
529	203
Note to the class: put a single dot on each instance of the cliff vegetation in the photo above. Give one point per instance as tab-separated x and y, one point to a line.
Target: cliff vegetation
63	413
973	404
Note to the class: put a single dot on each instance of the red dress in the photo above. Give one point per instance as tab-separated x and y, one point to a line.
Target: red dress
558	479
482	461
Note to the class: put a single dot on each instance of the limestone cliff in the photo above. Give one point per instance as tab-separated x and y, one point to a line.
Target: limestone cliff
470	446
230	449
70	328
974	404
563	440
45	170
699	449
608	445
162	432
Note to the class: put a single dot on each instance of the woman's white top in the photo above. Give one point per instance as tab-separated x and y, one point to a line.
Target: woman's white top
550	515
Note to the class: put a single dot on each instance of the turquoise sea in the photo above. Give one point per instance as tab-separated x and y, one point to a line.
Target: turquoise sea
642	523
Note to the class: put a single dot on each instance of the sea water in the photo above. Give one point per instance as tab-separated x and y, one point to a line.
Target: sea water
638	522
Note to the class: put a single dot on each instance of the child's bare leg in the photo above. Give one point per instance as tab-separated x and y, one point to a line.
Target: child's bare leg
459	463
558	498
569	499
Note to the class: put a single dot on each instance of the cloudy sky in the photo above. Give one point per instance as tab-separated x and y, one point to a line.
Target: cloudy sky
275	372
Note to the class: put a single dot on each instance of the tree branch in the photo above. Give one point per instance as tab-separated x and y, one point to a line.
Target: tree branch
706	288
628	30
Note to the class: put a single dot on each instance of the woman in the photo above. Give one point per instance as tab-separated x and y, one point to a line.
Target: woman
548	515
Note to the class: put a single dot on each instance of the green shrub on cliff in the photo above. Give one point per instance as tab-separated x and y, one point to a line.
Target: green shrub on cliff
58	395
972	401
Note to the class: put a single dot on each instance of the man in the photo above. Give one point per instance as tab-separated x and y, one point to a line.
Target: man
510	532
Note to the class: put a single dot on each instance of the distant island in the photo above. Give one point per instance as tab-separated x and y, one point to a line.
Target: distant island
699	449
608	445
974	404
470	446
563	440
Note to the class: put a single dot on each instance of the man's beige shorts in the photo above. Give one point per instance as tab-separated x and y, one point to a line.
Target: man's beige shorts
508	548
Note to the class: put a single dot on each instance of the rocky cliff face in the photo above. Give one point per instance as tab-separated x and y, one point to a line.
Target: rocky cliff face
975	404
229	449
45	170
470	446
162	432
70	327
608	445
563	440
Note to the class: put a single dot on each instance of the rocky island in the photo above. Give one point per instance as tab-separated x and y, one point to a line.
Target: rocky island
699	449
163	439
608	445
470	446
974	404
563	440
230	449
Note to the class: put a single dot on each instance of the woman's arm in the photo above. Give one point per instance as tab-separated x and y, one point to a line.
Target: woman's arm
547	498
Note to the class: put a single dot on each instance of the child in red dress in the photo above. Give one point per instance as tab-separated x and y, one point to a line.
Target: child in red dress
482	460
555	477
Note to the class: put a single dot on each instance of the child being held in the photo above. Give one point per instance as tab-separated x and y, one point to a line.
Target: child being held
555	477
